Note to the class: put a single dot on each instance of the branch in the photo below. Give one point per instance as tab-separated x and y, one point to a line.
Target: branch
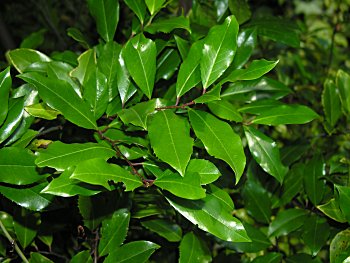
183	106
13	242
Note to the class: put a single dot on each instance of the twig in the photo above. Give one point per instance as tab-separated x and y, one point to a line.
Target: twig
13	242
51	129
96	246
177	106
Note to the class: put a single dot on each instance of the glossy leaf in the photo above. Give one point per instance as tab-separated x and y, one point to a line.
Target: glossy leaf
218	50
83	256
59	155
22	58
287	221
222	196
13	119
332	210
17	166
66	187
225	110
5	86
344	200
331	102
206	170
113	231
26	225
33	40
41	110
138	7
255	70
193	249
272	257
316	233
154	5
99	172
342	82
168	25
286	114
166	128
60	95
313	183
212	95
187	187
78	36
189	74
133	252
167	64
36	257
140	59
106	14
340	247
87	65
219	139
216	221
171	232
182	46
246	42
259	106
265	152
29	198
25	139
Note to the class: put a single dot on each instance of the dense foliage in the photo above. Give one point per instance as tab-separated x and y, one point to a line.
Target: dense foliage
185	131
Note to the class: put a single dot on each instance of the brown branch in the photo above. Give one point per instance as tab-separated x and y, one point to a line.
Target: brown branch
96	246
183	106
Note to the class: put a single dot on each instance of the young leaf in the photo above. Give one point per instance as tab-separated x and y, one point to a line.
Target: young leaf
60	95
210	216
26	225
17	166
187	187
87	65
33	40
125	87
113	231
218	51
99	172
59	155
5	85
13	119
136	251
106	14
78	36
265	152
225	110
212	95
189	74
331	102
138	7
22	58
219	140
286	114
154	5
193	249
168	25
171	232
140	58
166	128
207	171
41	110
25	139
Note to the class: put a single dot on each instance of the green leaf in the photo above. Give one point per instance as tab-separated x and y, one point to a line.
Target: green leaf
302	257
271	257
219	140
260	106
167	64
183	46
66	187
313	183
34	40
344	200
29	198
332	210
218	51
222	196
212	95
59	155
106	15
166	128
78	36
255	70
36	257
287	221
316	233
99	172
5	86
193	249
265	153
169	24
133	252
13	119
96	93
187	187
171	232
113	231
17	166
340	247
140	58
246	42
209	215
225	110
241	10
26	139
342	82
87	65
207	171
331	102
41	110
286	114
138	7
83	256
22	58
189	74
26	225
108	64
60	96
154	5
